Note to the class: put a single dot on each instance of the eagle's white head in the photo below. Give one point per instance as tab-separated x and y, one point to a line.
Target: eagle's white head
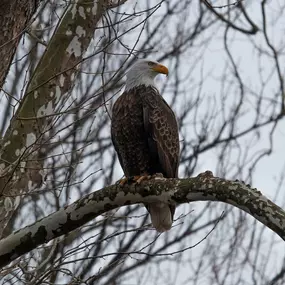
143	72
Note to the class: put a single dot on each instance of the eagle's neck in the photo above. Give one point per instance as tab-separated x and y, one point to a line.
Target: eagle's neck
137	79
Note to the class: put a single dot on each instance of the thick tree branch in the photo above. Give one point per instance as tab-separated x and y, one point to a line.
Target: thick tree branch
178	191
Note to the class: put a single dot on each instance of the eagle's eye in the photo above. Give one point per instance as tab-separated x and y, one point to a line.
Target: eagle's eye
150	63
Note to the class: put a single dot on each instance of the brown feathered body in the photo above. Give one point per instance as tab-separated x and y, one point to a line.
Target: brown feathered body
145	135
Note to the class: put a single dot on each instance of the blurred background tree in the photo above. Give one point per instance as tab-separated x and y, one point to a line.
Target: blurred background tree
226	86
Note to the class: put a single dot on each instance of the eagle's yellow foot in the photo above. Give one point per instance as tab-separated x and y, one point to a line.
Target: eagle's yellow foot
139	178
123	181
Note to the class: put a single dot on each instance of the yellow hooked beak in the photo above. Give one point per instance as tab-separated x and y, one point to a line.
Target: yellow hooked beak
159	68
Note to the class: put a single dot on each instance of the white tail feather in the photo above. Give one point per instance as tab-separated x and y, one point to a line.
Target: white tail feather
161	216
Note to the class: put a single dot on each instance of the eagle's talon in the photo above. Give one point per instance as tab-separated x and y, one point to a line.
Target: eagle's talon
123	181
139	178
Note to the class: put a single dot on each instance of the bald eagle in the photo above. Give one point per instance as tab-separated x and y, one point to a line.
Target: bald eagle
144	132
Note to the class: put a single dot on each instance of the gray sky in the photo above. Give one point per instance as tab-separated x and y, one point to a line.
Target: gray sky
209	64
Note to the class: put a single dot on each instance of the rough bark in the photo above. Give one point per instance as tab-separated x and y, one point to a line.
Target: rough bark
21	168
176	191
14	18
